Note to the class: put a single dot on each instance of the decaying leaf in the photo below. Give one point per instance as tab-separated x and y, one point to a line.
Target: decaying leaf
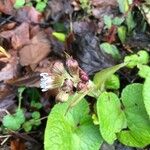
86	49
103	7
19	36
28	14
57	9
11	69
6	6
35	51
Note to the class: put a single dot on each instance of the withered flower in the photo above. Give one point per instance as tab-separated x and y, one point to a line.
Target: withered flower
73	66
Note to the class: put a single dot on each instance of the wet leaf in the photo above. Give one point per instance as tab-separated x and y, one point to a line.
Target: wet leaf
86	48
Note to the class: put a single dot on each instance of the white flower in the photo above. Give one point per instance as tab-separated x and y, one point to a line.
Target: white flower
50	81
46	81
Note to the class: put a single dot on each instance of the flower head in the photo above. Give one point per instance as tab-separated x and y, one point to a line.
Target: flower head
50	81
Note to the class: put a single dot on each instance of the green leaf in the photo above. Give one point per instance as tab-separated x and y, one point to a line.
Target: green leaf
130	22
118	21
60	36
122	31
36	115
101	77
111	117
146	94
123	5
40	6
108	21
144	71
73	131
14	121
27	126
131	61
138	133
112	82
143	57
19	3
110	49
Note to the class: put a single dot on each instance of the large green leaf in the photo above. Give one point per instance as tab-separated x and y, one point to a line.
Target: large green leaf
138	133
146	94
72	131
111	117
103	75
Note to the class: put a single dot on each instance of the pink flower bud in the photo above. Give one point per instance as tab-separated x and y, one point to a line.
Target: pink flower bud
73	66
83	76
81	86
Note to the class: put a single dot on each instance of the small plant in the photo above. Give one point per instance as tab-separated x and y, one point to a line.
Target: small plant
86	6
125	118
14	121
40	4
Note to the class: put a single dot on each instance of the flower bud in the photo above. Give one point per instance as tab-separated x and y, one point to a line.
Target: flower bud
73	66
83	76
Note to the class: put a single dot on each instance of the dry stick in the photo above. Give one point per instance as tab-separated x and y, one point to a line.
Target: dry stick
5	140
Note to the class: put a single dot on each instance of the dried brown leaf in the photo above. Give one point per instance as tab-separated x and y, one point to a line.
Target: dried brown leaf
11	69
36	51
104	2
6	6
21	36
28	14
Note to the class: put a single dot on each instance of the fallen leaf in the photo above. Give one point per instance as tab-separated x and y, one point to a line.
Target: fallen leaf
86	49
28	14
11	69
6	6
104	2
36	51
104	7
57	9
19	36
